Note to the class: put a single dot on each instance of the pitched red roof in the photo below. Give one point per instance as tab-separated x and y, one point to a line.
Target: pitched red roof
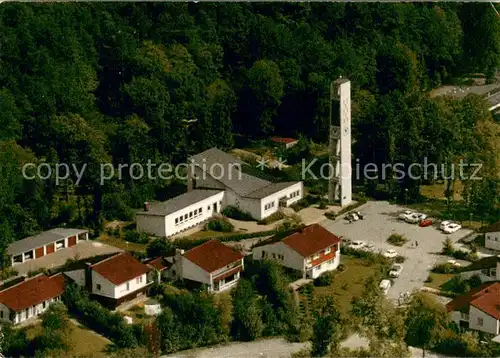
120	268
283	140
32	292
212	255
310	240
485	297
158	263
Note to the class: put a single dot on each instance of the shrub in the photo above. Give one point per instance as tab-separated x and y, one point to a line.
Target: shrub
447	247
429	279
236	214
322	204
221	225
7	273
324	279
472	256
459	285
444	268
400	259
397	240
330	215
341	268
272	218
136	237
475	281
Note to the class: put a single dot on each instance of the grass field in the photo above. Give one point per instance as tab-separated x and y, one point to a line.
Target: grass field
438	280
84	341
349	283
122	244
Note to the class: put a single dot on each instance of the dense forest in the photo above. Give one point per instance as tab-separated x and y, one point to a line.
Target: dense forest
98	83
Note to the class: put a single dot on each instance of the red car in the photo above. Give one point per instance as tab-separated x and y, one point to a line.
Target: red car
425	222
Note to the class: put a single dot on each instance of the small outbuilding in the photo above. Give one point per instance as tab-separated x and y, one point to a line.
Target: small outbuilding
152	307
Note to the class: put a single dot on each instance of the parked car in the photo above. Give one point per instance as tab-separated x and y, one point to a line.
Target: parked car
425	222
396	270
369	247
356	245
451	228
361	216
385	285
351	217
415	218
454	263
405	214
391	253
445	224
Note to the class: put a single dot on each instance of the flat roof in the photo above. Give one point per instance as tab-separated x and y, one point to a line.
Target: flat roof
42	239
179	202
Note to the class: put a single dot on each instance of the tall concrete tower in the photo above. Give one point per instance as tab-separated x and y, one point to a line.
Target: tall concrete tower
340	186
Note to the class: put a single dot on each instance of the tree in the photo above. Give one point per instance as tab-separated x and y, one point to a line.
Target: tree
425	319
159	248
448	248
56	331
327	328
247	322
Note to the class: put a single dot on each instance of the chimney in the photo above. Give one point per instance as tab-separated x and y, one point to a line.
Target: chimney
146	206
88	276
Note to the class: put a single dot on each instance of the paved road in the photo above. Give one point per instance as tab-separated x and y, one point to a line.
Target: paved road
381	220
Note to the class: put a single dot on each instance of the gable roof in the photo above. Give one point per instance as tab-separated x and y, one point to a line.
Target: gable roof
120	268
158	263
41	239
212	255
213	160
493	228
179	202
310	240
484	263
486	297
283	140
32	291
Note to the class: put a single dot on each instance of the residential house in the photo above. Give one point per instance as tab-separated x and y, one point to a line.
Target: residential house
113	280
284	142
45	243
30	297
492	237
312	250
215	169
479	309
212	264
487	268
180	213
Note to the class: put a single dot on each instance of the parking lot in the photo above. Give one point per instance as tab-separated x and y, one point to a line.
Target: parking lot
380	221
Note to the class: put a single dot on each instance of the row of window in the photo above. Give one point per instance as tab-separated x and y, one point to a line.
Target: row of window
325	252
493	238
329	262
490	272
294	194
269	205
188	216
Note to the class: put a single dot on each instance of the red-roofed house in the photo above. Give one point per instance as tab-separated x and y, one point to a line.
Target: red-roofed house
159	268
30	297
479	309
286	142
312	250
114	280
212	264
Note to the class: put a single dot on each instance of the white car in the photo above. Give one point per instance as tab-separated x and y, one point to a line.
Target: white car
385	285
396	270
451	228
356	245
415	218
390	253
444	224
405	214
454	263
369	247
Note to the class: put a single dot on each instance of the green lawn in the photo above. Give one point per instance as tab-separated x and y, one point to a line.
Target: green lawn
438	280
84	341
122	244
349	283
209	233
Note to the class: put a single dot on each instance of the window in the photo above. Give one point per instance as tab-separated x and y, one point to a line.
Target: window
44	304
329	262
128	286
316	256
98	286
1	314
176	221
185	217
317	268
138	279
479	321
327	251
493	272
263	254
190	214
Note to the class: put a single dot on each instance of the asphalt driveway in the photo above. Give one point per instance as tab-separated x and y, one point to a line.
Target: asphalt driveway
380	221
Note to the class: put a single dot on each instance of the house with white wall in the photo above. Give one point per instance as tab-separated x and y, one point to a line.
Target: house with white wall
492	237
312	250
212	264
479	309
487	268
215	169
45	243
180	213
30	297
113	280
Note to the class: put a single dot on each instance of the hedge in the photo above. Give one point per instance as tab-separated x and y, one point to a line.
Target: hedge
187	243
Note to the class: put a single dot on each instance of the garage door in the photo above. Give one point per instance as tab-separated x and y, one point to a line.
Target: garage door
49	248
72	241
39	252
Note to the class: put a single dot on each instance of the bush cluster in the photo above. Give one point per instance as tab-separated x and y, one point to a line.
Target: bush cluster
136	237
397	240
220	225
237	214
272	218
324	279
445	268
